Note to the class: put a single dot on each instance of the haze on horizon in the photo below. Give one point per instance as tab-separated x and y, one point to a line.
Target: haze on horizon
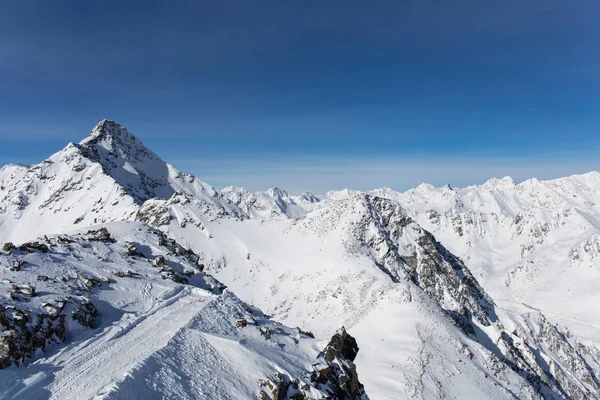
309	95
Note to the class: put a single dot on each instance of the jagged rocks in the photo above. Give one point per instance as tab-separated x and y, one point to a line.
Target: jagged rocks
334	376
85	313
24	290
99	235
65	240
32	247
154	214
8	246
159	261
340	373
131	250
299	331
427	263
241	323
16	265
278	385
175	277
90	282
342	346
124	274
24	332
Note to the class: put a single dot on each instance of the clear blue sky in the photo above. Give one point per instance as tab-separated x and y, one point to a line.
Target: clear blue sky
311	94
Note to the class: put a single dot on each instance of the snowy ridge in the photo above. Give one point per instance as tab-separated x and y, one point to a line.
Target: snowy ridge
533	243
273	203
150	317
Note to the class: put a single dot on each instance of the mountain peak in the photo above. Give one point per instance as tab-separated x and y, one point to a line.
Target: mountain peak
499	184
108	124
109	130
141	172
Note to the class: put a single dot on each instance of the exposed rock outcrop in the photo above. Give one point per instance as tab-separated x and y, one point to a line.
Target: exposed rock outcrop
405	251
334	376
23	331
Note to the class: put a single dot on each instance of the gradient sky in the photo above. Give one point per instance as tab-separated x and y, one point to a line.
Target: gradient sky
310	94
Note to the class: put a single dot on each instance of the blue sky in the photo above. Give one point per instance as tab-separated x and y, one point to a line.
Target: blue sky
309	94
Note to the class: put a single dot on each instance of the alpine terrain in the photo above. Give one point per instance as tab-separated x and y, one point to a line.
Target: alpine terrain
122	277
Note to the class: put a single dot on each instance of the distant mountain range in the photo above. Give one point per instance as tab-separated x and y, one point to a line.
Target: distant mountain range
123	277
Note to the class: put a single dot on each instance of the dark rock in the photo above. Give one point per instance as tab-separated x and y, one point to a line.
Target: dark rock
90	282
278	386
342	346
177	278
241	323
124	274
32	247
334	376
24	333
340	372
159	261
8	246
131	250
100	235
85	314
24	290
16	265
305	333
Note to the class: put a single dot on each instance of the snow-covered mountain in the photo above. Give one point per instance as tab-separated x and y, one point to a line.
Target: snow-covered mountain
105	177
363	262
535	243
273	203
482	292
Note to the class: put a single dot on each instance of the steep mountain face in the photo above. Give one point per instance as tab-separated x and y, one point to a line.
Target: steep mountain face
534	243
483	292
554	366
134	310
106	177
137	169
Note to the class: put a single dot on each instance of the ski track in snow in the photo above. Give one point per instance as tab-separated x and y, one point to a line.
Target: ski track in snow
84	372
91	367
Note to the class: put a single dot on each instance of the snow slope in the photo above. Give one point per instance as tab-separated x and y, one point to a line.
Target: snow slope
156	327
